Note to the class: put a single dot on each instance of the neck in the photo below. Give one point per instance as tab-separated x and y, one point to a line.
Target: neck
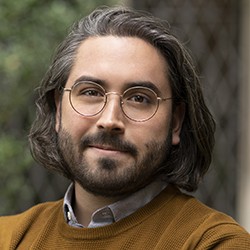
86	204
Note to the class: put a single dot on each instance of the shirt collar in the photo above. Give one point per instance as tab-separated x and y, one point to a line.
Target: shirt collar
116	211
130	204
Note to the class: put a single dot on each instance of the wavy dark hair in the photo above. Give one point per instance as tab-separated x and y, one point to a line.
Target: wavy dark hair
190	159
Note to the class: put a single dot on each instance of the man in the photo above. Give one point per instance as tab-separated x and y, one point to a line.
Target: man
121	114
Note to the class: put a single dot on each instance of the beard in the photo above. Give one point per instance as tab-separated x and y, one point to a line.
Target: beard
110	177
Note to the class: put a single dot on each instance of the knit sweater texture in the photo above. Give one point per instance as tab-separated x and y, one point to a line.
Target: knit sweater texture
172	221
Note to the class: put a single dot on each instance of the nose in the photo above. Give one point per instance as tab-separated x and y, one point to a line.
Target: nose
111	118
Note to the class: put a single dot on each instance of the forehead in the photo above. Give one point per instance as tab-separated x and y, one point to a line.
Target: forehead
119	60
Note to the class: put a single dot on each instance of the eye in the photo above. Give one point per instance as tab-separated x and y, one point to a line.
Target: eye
88	91
91	92
139	98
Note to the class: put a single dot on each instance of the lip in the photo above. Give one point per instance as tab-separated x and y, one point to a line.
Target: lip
107	151
105	148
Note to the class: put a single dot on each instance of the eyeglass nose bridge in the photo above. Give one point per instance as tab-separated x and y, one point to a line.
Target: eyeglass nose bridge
113	93
120	101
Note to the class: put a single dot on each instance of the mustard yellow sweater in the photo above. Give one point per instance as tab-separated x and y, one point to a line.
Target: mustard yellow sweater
171	221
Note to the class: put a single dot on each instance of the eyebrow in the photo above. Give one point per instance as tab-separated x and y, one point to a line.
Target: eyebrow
103	83
146	84
90	79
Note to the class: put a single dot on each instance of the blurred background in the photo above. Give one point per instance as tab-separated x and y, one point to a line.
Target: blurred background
216	32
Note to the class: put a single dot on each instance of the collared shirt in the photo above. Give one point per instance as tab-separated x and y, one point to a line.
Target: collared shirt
116	211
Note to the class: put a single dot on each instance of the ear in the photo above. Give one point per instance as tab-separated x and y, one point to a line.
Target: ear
57	98
178	117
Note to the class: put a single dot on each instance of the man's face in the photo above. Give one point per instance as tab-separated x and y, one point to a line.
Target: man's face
109	154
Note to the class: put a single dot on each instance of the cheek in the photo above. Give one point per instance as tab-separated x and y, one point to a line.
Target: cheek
73	123
161	125
151	132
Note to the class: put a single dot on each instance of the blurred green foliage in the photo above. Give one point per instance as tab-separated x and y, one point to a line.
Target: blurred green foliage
30	30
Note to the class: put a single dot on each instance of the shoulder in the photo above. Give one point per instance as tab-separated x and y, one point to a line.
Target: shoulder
15	226
192	211
35	211
204	227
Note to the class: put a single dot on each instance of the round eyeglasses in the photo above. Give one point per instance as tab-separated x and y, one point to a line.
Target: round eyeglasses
137	103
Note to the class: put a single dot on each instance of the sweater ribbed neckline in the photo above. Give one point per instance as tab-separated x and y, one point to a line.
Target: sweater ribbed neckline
116	228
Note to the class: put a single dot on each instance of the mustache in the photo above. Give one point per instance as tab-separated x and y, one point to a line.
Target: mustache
107	139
